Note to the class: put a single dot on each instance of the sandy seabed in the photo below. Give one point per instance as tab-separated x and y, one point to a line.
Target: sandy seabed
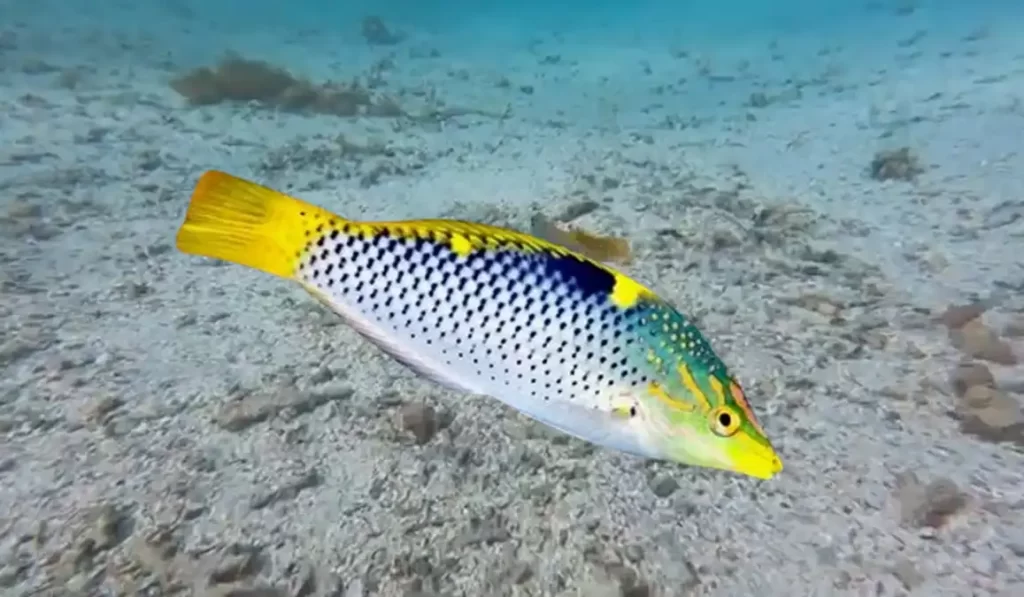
169	426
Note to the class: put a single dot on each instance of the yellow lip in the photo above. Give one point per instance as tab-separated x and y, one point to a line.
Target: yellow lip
762	468
756	460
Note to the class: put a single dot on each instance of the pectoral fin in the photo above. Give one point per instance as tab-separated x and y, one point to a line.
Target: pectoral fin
624	411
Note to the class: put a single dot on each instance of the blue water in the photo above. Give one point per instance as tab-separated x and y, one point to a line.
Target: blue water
651	108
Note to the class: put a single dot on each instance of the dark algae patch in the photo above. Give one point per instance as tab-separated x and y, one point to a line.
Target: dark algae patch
896	164
236	79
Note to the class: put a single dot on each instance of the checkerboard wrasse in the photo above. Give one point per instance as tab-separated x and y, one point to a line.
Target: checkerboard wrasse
564	339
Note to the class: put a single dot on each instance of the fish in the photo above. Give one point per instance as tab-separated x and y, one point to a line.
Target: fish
484	310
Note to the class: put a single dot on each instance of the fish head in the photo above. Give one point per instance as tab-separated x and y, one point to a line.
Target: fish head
703	419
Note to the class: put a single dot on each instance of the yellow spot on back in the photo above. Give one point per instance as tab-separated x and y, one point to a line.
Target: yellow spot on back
462	237
461	245
627	292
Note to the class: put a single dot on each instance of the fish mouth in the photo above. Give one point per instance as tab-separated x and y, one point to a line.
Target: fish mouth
760	463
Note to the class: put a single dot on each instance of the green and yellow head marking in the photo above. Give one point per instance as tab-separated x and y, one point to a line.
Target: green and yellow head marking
699	414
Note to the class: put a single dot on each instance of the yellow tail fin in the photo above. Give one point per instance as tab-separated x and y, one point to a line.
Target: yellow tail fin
242	222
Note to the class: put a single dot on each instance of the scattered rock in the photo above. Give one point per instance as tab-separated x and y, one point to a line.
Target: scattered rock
219	571
1005	214
957	316
483	531
819	303
969	375
663	485
629	581
419	419
520	572
991	415
154	554
895	164
286	491
929	505
16	349
600	585
979	396
20	209
235	563
758	99
110	526
640	589
977	340
376	33
97	409
323	375
257	407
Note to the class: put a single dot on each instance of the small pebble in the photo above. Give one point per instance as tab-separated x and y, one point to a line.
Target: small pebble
957	316
664	486
969	375
419	419
977	340
931	505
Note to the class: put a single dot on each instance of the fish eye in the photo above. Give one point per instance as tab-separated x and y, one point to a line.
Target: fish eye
725	421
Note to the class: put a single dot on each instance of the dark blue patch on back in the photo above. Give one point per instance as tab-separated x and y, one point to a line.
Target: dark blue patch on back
587	278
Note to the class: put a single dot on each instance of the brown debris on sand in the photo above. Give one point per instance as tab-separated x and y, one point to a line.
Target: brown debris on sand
992	415
896	164
418	419
967	375
933	504
376	33
970	335
977	340
984	409
237	79
957	316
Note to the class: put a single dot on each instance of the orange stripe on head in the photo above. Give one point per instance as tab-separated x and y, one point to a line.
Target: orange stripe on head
741	401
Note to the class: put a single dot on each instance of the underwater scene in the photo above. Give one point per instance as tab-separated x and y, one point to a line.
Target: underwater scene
482	299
